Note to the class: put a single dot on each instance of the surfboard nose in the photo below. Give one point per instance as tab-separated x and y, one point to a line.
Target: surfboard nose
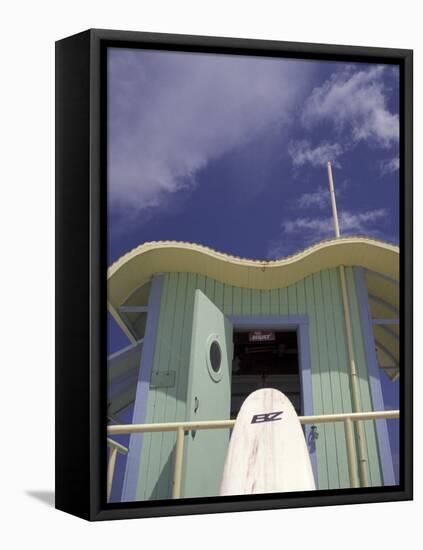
267	452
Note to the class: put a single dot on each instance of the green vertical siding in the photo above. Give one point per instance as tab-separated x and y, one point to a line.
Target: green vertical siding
375	473
319	297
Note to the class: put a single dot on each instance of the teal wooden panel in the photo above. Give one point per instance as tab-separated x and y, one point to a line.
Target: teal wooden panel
375	473
201	282
301	298
352	298
246	301
237	301
218	294
327	400
209	290
292	300
341	341
183	371
155	468
265	302
227	299
333	361
317	296
322	463
154	481
166	460
274	301
141	492
255	302
343	363
283	301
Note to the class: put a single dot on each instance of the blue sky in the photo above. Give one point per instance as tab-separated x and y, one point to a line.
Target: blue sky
231	152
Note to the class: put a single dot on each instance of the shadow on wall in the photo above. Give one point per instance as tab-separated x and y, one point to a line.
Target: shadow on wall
162	487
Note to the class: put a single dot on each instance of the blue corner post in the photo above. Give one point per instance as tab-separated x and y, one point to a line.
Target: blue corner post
143	384
382	434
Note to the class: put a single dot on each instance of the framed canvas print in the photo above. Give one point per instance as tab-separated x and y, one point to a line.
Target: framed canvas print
234	274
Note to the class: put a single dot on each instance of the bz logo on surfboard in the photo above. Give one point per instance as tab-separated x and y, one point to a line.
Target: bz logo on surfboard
266	417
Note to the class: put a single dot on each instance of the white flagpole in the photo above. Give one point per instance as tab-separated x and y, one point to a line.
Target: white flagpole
333	201
355	393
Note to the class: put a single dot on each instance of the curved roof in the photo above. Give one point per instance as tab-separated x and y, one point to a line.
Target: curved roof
129	276
136	268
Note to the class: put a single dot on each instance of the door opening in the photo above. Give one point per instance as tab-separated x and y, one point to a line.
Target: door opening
265	359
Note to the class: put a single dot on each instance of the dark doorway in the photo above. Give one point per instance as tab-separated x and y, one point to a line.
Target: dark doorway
265	359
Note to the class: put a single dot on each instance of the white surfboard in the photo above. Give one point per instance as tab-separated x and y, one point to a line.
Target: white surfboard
267	451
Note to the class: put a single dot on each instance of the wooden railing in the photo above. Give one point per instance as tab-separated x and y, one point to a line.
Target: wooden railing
115	448
181	427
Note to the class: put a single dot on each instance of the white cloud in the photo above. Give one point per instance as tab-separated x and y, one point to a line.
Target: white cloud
320	227
318	199
323	227
170	114
301	153
303	231
356	101
389	166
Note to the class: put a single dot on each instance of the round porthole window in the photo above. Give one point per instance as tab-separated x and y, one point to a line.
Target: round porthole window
214	357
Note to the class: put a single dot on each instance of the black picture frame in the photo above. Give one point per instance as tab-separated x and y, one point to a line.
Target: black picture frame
81	264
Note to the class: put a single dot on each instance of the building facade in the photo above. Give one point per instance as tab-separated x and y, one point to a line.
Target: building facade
206	329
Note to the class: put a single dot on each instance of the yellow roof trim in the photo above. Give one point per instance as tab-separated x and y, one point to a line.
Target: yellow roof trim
137	267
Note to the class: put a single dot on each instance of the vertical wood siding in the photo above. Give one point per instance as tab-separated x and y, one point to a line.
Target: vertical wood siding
319	297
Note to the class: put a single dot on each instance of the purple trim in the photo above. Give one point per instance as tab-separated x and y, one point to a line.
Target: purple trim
133	309
247	322
388	331
129	374
385	453
307	392
124	351
382	276
300	324
123	383
388	353
143	385
383	303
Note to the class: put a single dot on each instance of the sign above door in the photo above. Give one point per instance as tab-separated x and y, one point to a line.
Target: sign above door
261	336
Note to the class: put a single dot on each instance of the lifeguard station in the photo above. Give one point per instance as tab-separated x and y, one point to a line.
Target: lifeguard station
205	329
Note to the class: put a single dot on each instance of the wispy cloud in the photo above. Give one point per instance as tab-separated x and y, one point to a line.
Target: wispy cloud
302	153
323	227
389	166
355	100
317	199
170	114
301	232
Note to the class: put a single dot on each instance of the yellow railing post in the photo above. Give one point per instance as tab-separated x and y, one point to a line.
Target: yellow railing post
115	448
355	389
111	470
181	427
349	438
179	454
